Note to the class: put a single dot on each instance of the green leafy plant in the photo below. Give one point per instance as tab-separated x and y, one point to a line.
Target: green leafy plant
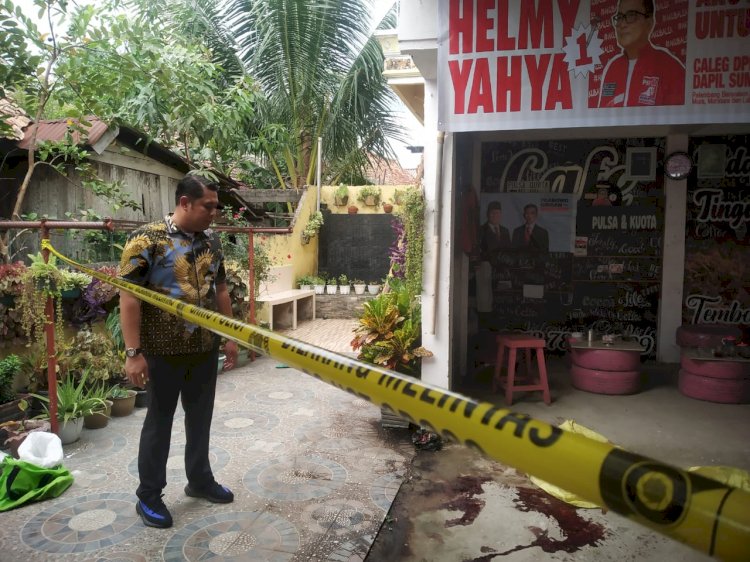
341	194
358	282
411	239
34	362
74	280
343	279
306	280
313	225
10	367
389	331
237	287
40	281
73	399
92	353
118	392
114	328
369	191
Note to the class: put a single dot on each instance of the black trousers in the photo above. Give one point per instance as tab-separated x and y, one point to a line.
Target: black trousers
193	378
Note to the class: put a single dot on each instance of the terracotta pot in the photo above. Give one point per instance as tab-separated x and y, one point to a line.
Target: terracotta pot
387	207
123	406
353	209
98	420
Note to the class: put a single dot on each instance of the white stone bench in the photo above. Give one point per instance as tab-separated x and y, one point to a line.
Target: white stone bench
285	304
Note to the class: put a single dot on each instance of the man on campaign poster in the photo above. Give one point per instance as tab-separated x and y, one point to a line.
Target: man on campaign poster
642	74
540	222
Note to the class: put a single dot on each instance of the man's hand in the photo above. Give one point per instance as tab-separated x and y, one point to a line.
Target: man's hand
136	369
230	350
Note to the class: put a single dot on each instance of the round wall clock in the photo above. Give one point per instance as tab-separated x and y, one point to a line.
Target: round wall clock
677	166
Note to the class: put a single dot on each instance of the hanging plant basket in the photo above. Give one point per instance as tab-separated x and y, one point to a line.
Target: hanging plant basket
341	200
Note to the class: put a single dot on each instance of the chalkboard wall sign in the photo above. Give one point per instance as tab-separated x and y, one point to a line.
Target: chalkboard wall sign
356	245
717	241
611	280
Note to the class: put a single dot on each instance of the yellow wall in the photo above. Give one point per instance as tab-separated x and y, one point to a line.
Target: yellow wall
287	249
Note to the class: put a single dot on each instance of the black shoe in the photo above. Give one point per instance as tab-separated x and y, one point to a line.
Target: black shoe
214	492
154	513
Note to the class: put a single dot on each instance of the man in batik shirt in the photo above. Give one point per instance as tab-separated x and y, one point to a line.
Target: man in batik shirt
182	258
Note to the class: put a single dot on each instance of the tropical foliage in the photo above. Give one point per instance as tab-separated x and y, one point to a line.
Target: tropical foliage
318	71
389	331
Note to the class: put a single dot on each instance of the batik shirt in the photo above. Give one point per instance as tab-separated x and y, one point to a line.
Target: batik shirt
159	256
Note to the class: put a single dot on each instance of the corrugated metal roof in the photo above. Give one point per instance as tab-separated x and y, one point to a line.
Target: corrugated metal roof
55	129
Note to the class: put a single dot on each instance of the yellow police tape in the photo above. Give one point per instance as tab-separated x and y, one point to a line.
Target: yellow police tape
705	514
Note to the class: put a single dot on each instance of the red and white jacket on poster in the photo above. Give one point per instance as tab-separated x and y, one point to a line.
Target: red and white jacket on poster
658	79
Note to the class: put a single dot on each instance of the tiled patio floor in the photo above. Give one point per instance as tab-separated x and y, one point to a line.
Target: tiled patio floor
313	474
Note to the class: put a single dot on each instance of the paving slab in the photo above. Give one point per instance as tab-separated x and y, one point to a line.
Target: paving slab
312	471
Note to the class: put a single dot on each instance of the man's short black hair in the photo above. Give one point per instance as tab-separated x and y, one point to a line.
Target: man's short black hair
494	206
191	186
531	206
648	6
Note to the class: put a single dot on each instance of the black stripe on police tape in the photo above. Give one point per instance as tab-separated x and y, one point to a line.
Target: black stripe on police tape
630	484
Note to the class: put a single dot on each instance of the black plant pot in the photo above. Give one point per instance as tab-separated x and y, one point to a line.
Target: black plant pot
141	398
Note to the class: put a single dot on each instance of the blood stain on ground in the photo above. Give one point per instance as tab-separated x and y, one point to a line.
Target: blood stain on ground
464	488
577	531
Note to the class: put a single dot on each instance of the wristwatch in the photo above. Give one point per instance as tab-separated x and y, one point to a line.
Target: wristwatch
133	351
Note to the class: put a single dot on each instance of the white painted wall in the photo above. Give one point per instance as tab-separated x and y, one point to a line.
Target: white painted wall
436	314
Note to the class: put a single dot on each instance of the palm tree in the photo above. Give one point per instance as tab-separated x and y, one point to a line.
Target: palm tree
319	72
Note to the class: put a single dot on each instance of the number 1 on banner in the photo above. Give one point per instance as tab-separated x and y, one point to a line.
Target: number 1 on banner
583	49
584	59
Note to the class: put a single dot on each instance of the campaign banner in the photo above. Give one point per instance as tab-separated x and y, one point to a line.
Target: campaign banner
549	218
518	64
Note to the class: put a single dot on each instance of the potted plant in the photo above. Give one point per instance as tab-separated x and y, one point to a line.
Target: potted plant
341	195
331	286
387	207
10	368
73	403
369	195
359	287
353	209
123	400
40	281
312	227
99	417
398	196
92	352
373	287
319	284
73	282
306	282
344	287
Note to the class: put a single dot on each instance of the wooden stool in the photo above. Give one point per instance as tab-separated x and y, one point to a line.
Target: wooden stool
525	343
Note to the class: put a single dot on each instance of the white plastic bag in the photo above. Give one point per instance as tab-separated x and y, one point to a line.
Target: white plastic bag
42	449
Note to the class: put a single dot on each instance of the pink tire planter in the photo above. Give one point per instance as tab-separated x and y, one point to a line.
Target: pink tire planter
723	391
606	359
715	369
705	335
605	382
